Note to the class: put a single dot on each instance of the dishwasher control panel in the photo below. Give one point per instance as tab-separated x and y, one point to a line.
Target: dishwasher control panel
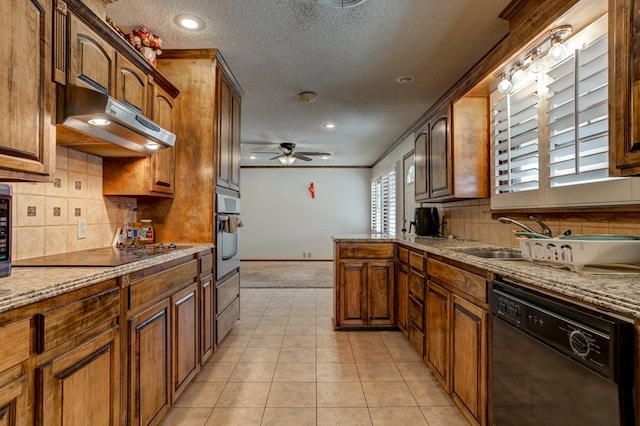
575	333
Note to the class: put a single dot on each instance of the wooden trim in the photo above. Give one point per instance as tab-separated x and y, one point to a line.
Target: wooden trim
512	9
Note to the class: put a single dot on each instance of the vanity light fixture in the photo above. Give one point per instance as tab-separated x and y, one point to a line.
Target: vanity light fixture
189	22
558	51
518	74
505	84
536	65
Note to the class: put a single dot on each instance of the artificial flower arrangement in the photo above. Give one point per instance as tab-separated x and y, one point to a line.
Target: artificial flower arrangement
140	38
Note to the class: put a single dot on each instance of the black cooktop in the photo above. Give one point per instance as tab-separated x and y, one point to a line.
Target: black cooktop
105	256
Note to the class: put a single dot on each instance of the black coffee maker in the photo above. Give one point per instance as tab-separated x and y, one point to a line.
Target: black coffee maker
426	221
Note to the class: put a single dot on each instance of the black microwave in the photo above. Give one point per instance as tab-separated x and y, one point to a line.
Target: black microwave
5	230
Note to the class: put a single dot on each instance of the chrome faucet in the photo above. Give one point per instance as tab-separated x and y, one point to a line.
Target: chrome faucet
515	222
545	229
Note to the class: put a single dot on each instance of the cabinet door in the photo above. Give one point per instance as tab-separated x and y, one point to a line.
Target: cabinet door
440	172
149	366
131	85
437	331
402	295
92	60
380	292
162	173
351	303
224	130
207	318
624	82
236	103
421	188
82	387
27	147
184	308
469	358
14	402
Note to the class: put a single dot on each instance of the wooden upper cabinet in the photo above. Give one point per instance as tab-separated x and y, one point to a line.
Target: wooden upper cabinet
228	132
92	60
236	103
131	85
420	160
162	167
452	153
27	142
624	87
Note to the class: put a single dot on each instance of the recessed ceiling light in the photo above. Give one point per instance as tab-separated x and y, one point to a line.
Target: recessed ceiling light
99	122
405	79
329	125
190	22
307	97
341	4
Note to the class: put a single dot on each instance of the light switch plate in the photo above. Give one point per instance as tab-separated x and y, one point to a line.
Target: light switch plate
82	229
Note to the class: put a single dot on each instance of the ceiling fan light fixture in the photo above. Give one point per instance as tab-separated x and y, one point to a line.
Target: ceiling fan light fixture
287	160
341	4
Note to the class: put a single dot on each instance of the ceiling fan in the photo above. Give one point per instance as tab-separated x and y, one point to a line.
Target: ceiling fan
288	155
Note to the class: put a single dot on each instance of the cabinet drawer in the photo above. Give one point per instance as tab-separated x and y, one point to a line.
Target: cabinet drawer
82	317
226	292
206	264
367	251
225	321
403	255
416	338
458	280
416	260
162	283
416	285
416	312
16	352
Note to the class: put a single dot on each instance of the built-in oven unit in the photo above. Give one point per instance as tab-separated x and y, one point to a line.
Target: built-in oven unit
558	363
227	308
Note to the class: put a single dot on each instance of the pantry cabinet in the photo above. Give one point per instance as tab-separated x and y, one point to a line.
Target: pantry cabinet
624	87
364	285
457	318
452	152
27	138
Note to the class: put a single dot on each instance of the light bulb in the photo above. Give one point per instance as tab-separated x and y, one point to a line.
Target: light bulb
518	74
99	121
557	51
505	85
287	161
537	65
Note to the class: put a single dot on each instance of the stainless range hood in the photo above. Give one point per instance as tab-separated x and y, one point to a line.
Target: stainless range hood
90	121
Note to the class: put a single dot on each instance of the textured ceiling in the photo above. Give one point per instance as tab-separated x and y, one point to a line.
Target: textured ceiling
350	57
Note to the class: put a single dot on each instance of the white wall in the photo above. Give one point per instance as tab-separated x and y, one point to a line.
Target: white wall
281	220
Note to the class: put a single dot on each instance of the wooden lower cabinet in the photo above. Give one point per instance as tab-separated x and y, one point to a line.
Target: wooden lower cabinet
14	402
380	293
437	331
80	387
351	294
149	367
184	310
469	358
207	317
14	377
402	297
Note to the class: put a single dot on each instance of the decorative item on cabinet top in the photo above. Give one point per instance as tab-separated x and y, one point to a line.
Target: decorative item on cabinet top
114	129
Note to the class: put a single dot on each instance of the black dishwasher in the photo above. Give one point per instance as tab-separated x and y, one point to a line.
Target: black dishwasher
555	363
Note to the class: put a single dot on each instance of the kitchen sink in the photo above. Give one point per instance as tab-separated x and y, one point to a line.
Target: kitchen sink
495	254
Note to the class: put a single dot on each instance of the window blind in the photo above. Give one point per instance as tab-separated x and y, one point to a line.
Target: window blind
578	116
383	203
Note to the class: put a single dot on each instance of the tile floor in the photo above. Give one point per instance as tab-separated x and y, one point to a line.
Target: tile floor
282	364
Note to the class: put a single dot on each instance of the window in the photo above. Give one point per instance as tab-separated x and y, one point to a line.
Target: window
383	203
550	132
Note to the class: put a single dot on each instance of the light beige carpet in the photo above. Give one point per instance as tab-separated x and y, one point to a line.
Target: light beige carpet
286	274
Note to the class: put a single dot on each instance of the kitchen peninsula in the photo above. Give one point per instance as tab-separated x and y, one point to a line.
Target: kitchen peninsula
441	298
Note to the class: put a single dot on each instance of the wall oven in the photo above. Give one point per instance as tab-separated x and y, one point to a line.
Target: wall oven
227	246
556	363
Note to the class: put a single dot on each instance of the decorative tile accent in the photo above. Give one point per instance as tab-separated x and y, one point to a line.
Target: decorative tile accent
57	183
77	212
31	211
78	185
56	211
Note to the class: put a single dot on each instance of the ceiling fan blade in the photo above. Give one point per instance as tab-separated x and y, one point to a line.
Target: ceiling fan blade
315	153
299	156
277	156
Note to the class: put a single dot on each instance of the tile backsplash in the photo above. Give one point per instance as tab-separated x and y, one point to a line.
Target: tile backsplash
46	215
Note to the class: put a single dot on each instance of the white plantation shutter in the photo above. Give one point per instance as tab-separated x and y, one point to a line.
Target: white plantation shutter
515	139
578	116
383	203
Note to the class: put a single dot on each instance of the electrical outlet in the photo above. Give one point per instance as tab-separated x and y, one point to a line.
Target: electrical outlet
304	254
309	255
82	229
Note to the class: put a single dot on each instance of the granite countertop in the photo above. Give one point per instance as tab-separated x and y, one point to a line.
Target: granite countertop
615	291
27	285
